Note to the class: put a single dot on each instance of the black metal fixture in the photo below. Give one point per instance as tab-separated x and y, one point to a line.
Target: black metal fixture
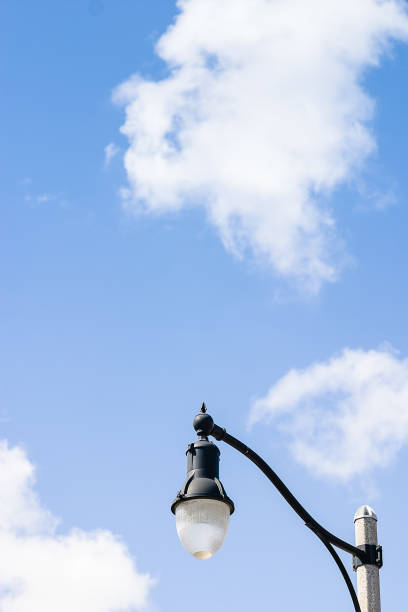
202	507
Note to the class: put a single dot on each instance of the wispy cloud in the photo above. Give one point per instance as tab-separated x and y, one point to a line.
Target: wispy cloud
262	115
111	150
343	417
376	199
38	199
45	197
41	570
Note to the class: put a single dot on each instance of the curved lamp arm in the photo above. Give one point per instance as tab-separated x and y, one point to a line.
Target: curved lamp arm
220	434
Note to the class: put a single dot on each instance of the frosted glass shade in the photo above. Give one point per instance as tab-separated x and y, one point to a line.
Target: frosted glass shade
202	525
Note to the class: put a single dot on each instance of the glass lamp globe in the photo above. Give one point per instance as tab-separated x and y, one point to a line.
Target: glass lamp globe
202	525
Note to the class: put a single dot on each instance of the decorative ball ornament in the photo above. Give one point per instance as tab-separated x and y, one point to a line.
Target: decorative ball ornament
203	422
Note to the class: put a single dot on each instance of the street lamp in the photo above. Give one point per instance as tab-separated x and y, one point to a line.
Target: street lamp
203	508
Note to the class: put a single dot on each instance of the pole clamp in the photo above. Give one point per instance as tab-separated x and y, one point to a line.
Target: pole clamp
373	556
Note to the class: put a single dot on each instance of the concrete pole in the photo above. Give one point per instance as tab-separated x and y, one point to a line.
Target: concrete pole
368	576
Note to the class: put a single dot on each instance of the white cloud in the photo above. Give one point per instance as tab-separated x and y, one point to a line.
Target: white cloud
262	115
343	417
37	200
111	150
45	197
380	200
42	571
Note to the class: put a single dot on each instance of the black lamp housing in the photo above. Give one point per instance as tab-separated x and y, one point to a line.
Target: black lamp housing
203	459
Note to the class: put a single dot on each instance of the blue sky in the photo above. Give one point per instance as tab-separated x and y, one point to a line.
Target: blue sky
130	293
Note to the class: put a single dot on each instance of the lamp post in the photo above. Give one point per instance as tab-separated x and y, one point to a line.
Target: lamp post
202	509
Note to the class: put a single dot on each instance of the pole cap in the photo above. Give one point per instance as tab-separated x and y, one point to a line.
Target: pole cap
365	512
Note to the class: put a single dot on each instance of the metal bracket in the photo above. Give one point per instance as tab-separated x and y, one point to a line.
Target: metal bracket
373	555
